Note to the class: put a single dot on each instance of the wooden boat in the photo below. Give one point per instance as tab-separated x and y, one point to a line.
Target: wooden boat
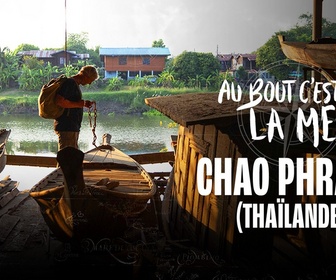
320	54
4	134
91	195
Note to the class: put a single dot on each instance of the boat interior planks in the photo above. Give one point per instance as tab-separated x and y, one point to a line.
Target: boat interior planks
8	191
104	185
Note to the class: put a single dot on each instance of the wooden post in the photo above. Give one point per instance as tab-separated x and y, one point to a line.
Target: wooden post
317	20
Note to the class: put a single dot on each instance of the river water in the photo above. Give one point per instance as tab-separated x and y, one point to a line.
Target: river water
32	135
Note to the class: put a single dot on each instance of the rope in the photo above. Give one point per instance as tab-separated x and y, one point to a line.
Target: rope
93	122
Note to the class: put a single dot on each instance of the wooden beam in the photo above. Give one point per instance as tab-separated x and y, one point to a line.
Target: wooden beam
43	161
31	160
154	157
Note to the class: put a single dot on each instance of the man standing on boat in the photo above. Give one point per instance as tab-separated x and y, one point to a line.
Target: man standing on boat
69	96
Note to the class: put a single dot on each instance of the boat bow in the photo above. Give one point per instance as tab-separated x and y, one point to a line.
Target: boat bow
320	54
92	194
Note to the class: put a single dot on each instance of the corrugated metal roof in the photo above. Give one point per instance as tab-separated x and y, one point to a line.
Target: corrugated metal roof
60	51
44	53
248	56
224	57
38	53
133	51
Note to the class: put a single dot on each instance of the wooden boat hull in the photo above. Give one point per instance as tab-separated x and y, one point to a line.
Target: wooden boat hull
91	195
4	134
321	54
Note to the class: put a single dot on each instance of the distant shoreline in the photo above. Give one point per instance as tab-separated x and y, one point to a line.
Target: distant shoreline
103	107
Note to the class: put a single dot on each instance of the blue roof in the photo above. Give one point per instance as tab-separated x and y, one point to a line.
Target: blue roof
134	51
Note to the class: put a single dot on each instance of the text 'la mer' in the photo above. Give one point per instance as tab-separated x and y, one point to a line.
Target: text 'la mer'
269	93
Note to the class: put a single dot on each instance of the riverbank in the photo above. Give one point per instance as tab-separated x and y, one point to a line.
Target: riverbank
129	101
103	107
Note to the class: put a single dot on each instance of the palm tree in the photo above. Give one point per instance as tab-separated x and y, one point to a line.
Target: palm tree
166	78
8	67
207	81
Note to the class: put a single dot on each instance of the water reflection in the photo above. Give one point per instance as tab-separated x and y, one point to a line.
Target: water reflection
131	134
32	135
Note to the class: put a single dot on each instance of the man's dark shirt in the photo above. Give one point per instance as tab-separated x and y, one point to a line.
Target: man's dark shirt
72	118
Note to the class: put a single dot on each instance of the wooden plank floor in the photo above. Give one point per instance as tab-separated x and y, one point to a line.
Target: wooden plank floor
29	251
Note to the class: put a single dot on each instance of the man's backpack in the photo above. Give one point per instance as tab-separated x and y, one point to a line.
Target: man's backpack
46	101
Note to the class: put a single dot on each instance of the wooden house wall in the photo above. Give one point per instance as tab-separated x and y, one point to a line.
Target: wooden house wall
51	60
208	221
134	63
57	58
246	63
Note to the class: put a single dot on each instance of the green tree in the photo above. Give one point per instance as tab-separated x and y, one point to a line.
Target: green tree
49	72
158	44
219	77
208	81
77	42
166	78
32	62
30	79
26	47
241	74
9	68
270	54
3	55
70	70
34	73
114	84
189	67
94	56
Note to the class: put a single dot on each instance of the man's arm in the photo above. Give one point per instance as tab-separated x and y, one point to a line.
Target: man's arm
65	103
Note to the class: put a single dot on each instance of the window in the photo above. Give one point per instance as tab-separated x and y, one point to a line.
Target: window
62	60
122	60
146	61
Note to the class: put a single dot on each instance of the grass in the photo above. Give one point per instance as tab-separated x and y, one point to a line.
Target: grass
133	97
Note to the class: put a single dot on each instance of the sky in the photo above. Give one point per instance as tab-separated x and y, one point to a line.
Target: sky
223	26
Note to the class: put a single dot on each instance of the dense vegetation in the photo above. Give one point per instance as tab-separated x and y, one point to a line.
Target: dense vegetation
22	77
270	53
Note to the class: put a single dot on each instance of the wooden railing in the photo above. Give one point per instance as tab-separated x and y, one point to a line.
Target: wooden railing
47	161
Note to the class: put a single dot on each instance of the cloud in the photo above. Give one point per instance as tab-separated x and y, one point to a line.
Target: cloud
200	25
